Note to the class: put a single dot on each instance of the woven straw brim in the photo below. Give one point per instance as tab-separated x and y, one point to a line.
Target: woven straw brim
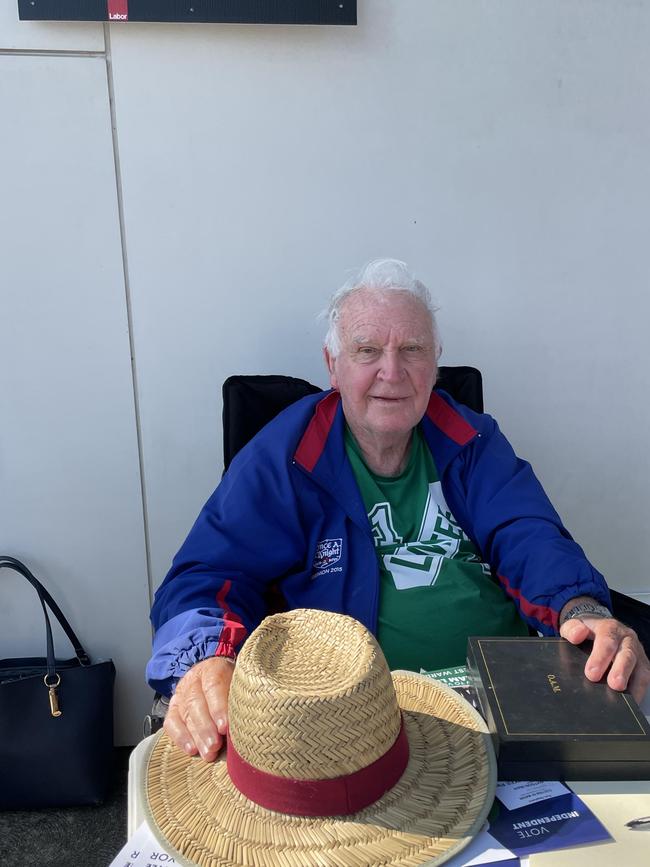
438	805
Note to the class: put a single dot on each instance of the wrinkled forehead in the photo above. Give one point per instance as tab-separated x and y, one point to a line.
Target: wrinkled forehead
367	313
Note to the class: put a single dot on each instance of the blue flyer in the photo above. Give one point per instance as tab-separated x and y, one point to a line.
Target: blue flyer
552	823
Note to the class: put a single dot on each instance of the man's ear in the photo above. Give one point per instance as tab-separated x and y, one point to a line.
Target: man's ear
330	363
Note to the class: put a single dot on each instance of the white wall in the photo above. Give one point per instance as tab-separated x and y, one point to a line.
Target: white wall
500	148
71	503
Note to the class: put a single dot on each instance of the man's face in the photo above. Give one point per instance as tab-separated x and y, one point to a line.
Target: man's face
386	366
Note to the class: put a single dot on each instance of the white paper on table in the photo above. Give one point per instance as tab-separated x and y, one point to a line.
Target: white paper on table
142	850
521	794
483	849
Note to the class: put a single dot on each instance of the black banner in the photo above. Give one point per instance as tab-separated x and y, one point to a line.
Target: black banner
199	11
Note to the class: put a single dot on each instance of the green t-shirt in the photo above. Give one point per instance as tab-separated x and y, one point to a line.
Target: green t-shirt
434	588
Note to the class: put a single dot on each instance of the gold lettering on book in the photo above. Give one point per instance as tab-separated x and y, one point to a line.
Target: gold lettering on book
555	686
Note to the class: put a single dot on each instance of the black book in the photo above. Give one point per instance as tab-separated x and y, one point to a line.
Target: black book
548	721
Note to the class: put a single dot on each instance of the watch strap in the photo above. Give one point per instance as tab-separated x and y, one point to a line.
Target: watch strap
586	609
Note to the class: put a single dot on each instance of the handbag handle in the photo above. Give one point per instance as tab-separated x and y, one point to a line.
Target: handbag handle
44	597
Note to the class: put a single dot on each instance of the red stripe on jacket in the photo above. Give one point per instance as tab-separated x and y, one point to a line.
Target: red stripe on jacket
234	631
315	436
311	446
542	613
450	422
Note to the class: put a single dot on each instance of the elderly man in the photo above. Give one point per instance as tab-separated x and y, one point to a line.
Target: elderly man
386	501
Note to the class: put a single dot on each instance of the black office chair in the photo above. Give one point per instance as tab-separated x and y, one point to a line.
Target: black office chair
250	402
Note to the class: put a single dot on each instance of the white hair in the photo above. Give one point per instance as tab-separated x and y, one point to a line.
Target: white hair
381	275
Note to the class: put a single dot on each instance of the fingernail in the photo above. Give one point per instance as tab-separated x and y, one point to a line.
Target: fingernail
209	742
188	747
221	725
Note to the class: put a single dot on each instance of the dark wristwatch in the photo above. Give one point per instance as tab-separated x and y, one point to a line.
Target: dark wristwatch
586	609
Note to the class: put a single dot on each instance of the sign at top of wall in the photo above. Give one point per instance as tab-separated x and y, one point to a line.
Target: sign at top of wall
200	11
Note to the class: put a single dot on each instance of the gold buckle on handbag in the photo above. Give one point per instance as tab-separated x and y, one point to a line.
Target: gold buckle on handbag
54	699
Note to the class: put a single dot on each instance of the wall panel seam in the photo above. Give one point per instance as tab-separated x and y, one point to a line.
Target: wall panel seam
129	311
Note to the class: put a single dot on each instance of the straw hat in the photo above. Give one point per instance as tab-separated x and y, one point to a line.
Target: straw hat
331	760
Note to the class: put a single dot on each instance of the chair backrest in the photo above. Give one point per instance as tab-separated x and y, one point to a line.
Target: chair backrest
250	402
634	613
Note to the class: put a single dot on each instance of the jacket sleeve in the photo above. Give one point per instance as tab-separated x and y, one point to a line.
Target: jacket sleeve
521	535
247	535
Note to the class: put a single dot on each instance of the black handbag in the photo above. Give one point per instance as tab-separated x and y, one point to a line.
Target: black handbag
56	721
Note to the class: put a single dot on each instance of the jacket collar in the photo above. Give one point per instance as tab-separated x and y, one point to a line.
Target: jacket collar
449	421
446	430
321	454
312	444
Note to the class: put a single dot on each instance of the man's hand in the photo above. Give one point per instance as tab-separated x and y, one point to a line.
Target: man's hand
617	648
197	719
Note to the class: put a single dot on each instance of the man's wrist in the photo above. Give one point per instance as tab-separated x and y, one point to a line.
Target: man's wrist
584	608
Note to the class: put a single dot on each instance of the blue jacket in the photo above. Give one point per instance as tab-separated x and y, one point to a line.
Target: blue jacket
289	511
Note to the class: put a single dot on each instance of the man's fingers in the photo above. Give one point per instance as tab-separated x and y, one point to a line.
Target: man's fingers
178	732
216	686
197	719
615	649
608	636
624	663
190	726
575	631
640	680
616	652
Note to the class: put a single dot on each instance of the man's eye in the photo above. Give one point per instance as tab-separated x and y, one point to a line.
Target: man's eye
366	350
413	348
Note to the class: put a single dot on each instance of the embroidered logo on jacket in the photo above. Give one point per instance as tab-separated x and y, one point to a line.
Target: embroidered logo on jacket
328	552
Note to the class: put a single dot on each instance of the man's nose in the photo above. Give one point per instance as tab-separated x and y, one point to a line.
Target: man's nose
392	368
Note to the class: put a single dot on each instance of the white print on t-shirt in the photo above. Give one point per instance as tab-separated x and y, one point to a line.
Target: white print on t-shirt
381	521
418	563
